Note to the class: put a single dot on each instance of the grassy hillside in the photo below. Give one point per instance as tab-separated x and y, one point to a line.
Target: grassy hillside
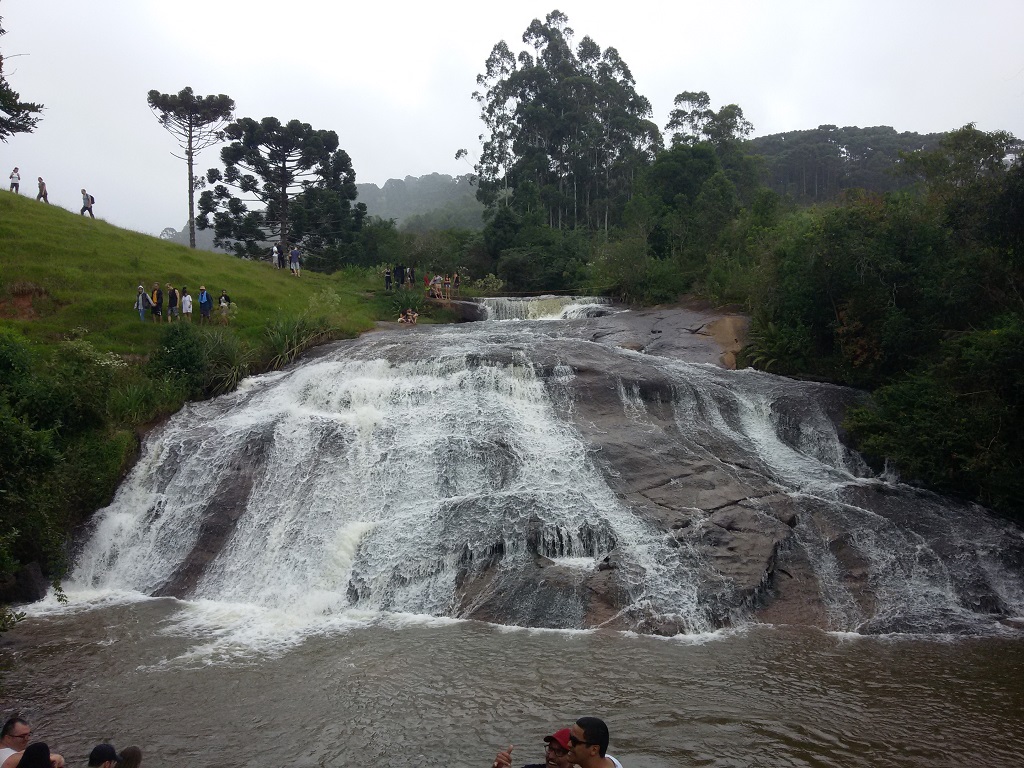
60	271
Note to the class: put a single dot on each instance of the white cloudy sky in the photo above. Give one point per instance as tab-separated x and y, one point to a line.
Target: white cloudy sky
394	79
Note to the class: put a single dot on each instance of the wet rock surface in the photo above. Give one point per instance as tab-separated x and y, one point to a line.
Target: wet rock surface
603	471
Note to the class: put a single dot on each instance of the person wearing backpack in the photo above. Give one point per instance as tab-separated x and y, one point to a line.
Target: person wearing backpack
87	203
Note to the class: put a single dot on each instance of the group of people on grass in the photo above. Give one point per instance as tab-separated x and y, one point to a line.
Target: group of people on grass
17	750
585	744
87	200
179	305
294	259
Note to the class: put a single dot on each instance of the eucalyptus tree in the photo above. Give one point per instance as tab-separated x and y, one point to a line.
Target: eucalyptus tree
301	181
565	129
16	116
693	121
197	123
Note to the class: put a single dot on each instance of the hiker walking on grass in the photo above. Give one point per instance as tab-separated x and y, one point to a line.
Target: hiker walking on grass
142	303
42	192
157	297
15	181
293	260
186	304
87	203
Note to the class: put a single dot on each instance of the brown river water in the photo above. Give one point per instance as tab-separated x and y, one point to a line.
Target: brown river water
422	692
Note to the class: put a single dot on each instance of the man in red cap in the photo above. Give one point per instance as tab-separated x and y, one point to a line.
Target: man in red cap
556	753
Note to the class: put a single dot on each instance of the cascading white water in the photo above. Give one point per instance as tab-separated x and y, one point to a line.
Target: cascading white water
426	472
544	307
375	483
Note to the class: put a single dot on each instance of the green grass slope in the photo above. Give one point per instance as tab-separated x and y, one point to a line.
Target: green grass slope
60	271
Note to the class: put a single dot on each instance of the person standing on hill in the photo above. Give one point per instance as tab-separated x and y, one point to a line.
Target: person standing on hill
42	192
87	202
293	260
387	279
142	303
15	181
275	256
225	306
205	304
157	297
172	303
186	304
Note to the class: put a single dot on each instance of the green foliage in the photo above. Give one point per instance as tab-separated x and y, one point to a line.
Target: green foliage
955	425
488	285
305	184
819	165
565	129
287	338
16	116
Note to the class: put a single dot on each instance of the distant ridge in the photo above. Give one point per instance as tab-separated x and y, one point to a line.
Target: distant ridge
434	201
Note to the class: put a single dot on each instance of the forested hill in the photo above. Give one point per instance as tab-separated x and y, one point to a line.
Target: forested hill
817	165
434	201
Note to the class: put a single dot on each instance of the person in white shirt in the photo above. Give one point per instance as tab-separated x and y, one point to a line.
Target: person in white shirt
15	181
14	738
186	304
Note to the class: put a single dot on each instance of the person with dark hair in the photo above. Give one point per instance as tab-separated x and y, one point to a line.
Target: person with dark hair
35	756
588	744
131	757
14	736
556	753
14	746
87	203
104	755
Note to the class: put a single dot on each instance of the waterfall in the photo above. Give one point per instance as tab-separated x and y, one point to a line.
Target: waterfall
545	307
506	473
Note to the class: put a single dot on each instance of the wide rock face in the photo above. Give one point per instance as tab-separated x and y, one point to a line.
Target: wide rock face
604	471
749	473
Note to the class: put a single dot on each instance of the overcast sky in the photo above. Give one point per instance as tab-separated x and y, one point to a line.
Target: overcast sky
394	79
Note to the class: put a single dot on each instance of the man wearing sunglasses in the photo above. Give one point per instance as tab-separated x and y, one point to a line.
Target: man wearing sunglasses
588	743
556	753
